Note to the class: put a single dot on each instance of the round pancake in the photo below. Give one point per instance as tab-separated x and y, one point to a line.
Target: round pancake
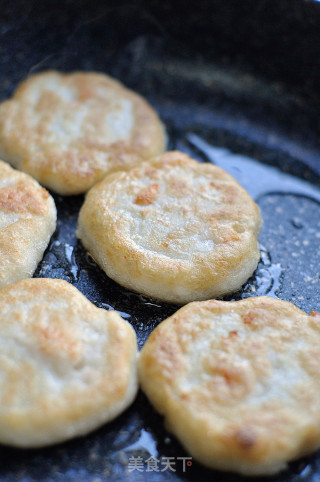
27	221
172	228
237	382
69	130
66	366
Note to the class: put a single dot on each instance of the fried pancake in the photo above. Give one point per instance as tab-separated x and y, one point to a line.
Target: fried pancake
172	228
69	130
66	366
237	382
27	221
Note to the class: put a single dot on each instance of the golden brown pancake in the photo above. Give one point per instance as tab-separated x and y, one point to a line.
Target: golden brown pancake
69	130
27	221
237	382
173	229
66	366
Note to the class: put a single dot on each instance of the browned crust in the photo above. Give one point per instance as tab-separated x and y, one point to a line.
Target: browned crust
23	198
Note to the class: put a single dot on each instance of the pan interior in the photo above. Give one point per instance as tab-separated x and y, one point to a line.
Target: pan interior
261	132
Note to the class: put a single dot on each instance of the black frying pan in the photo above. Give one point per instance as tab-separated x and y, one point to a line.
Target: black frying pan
226	78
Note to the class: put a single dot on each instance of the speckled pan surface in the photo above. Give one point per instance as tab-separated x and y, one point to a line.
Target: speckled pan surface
220	103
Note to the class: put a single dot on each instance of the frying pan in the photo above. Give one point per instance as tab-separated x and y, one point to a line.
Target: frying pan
236	83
